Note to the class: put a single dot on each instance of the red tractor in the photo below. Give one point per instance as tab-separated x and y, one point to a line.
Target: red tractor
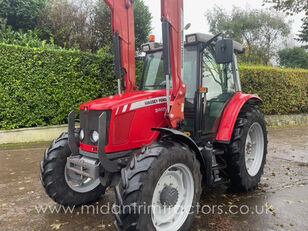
187	126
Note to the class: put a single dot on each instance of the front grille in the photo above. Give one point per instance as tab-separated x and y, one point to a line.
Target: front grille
89	123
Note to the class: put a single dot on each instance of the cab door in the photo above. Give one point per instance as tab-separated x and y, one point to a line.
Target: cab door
191	78
219	81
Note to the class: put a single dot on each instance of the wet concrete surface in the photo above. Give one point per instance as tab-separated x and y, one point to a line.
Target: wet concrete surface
280	202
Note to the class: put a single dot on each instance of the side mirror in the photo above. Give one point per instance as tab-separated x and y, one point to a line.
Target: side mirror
224	51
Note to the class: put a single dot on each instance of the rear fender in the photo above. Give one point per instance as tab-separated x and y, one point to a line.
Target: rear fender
231	113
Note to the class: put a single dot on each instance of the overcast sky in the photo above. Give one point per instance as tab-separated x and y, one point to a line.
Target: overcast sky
194	11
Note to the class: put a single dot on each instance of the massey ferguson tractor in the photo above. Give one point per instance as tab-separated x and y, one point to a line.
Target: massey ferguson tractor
188	126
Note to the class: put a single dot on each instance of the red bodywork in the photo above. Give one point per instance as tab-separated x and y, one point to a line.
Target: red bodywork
133	115
230	114
172	11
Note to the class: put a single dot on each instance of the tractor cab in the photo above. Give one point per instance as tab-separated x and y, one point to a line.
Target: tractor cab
210	84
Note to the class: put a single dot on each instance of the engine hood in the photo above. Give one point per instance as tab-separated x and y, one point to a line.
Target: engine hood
117	100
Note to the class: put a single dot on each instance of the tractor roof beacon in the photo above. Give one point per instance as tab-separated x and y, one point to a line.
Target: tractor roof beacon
186	126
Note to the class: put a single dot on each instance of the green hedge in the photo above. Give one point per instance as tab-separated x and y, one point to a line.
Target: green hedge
284	91
39	87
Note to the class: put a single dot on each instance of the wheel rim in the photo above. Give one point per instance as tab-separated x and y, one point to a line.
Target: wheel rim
254	149
171	213
80	183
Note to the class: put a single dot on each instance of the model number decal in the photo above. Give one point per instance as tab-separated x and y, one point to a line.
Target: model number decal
149	102
160	109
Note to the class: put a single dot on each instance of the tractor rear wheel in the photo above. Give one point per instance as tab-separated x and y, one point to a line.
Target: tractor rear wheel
60	184
159	190
248	148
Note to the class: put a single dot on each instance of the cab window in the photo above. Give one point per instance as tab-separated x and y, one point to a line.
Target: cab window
218	78
153	76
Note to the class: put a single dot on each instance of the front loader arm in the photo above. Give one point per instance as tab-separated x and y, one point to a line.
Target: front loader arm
123	28
173	40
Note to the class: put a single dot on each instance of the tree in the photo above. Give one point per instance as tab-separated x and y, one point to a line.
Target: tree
143	19
293	57
67	23
303	35
21	14
87	25
260	30
289	6
102	25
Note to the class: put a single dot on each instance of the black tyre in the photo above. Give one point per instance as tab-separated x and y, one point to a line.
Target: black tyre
54	180
153	178
248	148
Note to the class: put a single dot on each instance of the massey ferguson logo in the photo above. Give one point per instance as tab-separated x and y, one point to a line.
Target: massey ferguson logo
148	102
155	101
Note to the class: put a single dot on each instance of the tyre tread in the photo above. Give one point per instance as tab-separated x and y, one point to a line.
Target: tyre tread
235	165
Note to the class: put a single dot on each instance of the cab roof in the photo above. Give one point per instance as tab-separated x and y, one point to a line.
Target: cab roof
238	48
200	38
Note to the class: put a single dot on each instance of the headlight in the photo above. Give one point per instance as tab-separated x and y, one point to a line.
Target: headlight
95	136
81	134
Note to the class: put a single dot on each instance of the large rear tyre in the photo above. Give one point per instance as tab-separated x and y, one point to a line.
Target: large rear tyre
159	190
248	148
59	183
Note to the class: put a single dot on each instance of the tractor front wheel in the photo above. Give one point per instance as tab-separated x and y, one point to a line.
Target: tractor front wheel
159	190
62	185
